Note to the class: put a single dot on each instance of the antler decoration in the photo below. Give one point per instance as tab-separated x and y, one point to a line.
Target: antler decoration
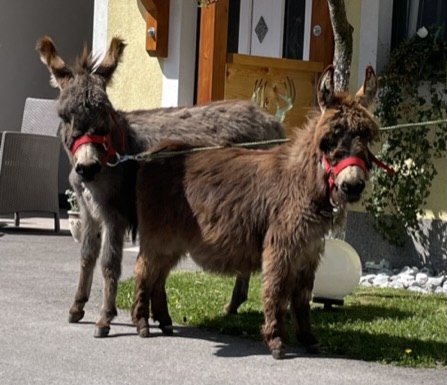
284	101
288	98
258	95
205	3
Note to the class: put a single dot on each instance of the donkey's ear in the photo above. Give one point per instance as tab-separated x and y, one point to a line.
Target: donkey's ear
60	73
107	67
325	89
367	92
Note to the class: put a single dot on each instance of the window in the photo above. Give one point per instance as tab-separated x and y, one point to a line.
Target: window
410	15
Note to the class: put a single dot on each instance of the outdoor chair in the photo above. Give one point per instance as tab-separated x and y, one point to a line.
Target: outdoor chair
29	163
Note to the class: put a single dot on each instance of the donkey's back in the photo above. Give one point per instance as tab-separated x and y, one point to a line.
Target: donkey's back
223	122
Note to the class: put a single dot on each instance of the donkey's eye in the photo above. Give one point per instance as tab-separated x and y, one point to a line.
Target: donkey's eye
338	130
328	142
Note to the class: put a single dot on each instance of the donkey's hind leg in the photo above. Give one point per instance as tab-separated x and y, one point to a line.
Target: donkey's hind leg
89	254
151	271
239	295
159	306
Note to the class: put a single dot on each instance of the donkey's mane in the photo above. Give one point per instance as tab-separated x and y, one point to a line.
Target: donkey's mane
86	62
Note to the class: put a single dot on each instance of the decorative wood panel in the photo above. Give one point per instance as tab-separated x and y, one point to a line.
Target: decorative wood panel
243	71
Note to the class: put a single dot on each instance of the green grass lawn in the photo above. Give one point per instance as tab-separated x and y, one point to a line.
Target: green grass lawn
383	325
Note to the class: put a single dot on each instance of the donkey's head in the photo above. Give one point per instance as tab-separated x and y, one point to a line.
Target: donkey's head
89	127
344	131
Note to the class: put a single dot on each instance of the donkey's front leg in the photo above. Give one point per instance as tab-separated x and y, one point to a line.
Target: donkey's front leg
275	276
300	306
89	254
111	257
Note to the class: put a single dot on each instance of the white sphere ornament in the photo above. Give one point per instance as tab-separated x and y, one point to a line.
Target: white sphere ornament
338	274
422	32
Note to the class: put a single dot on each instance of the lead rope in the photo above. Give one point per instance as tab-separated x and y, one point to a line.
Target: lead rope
149	155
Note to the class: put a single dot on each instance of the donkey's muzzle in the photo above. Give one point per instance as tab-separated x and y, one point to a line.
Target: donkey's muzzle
352	190
88	170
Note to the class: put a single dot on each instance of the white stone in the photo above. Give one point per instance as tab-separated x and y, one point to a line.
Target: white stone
394	277
421	278
406	279
381	280
368	278
440	290
396	285
417	289
434	282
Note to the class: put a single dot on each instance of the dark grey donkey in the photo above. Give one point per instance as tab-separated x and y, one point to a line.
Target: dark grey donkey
94	134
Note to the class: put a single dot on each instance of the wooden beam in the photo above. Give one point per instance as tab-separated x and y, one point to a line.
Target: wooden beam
157	27
212	51
321	45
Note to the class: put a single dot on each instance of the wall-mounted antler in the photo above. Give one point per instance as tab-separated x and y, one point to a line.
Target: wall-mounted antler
288	98
258	95
205	3
284	94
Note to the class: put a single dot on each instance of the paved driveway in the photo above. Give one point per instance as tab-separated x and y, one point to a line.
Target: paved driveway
38	276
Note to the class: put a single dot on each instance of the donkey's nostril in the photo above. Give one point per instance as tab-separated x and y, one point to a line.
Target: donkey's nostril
353	188
88	171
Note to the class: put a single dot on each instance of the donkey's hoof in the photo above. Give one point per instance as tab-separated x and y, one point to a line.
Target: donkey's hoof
75	317
278	353
167	330
101	332
276	348
144	332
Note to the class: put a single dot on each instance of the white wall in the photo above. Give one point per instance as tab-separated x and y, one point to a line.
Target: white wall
179	67
375	35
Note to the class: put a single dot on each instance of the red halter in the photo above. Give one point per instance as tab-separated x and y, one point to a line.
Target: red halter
334	170
104	140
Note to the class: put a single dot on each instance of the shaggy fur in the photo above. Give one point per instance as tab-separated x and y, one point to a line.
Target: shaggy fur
237	210
106	195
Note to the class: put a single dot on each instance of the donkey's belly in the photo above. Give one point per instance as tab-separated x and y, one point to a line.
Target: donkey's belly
226	261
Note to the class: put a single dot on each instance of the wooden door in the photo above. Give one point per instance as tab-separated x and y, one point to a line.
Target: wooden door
212	55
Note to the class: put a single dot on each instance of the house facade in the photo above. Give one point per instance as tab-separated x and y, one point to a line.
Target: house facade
180	54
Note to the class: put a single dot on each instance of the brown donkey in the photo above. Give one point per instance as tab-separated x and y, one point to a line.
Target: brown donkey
238	210
93	132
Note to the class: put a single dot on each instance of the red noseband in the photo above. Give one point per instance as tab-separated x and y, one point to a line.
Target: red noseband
334	170
103	140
